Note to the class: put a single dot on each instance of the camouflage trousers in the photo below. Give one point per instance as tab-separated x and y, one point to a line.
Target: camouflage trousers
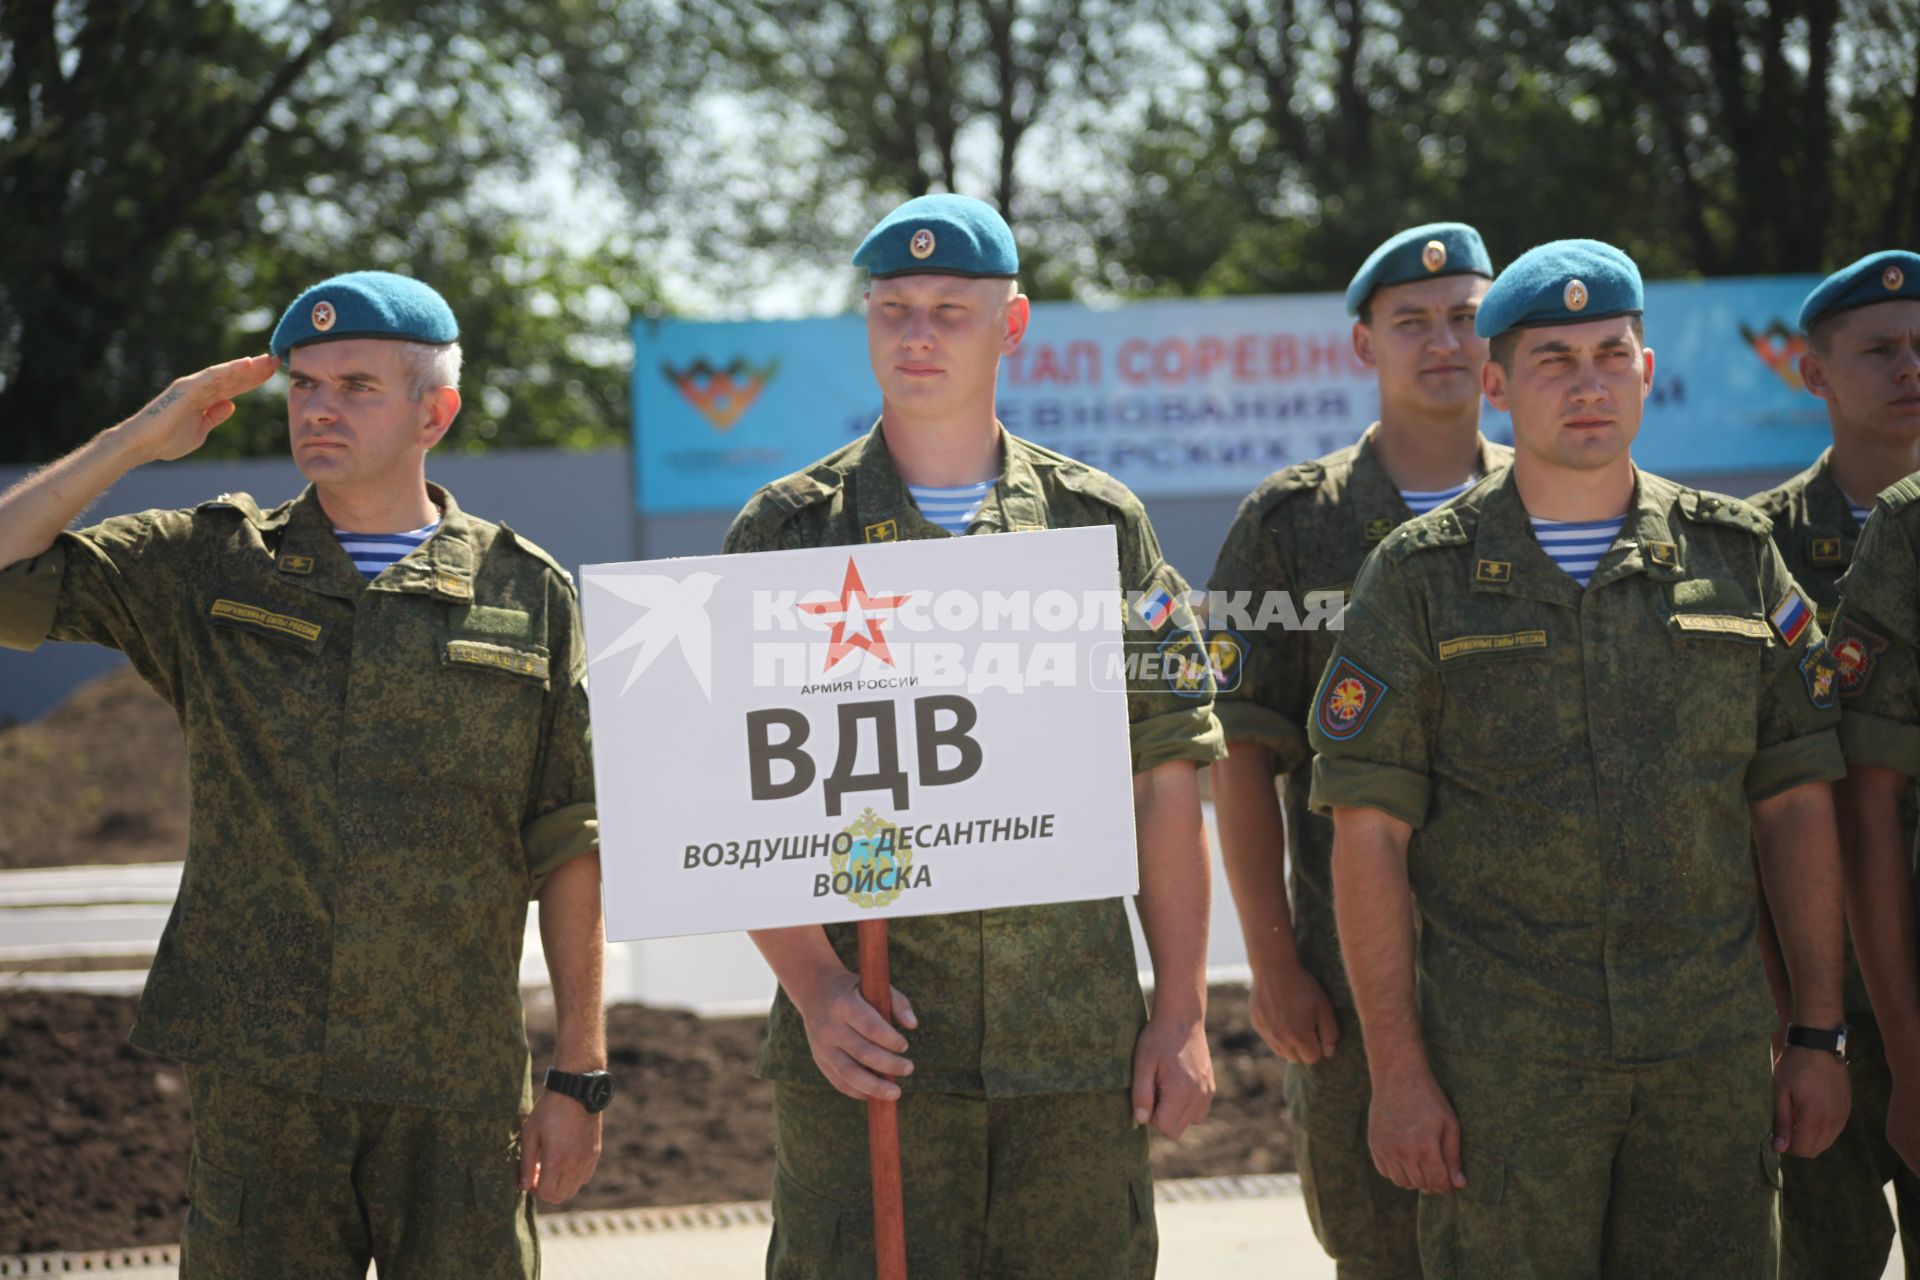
1054	1186
295	1186
1365	1223
1577	1171
1834	1223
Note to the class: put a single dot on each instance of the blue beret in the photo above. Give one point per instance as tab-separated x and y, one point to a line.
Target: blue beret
1878	277
1561	282
366	304
940	235
1419	253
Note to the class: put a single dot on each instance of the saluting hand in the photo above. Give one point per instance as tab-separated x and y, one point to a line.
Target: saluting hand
1414	1134
179	419
852	1044
1291	1012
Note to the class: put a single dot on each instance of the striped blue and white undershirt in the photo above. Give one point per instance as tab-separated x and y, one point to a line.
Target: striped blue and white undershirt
1577	545
953	509
373	552
1421	501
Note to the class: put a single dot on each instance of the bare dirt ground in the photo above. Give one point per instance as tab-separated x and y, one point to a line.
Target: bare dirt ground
94	1134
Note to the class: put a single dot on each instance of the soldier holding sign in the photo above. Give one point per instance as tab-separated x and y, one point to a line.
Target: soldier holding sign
1306	530
1560	710
1028	1065
386	728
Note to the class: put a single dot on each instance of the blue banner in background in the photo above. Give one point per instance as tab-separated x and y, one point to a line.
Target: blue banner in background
1187	398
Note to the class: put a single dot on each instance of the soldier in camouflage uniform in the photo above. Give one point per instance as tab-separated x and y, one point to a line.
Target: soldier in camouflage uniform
1029	1068
384	772
1863	326
1305	531
1834	1223
1558	763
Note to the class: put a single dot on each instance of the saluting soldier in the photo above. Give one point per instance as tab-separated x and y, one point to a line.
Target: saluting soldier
1559	711
1028	1068
1834	1221
385	713
1864	327
1306	530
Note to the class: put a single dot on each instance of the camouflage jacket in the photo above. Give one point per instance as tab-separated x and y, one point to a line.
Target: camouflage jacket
1813	527
1578	765
382	775
1305	531
1026	1000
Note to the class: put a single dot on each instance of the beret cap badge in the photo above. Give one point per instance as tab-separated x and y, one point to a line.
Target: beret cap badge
1893	278
1576	296
1434	256
921	246
323	316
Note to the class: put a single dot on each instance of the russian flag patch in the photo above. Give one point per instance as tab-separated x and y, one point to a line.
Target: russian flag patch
1791	616
1154	608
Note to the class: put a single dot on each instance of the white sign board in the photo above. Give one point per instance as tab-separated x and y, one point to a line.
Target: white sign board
846	733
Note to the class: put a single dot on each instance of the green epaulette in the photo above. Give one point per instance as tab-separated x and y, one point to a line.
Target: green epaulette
1447	527
537	551
1717	508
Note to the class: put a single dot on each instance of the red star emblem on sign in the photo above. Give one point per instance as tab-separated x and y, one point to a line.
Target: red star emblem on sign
854	626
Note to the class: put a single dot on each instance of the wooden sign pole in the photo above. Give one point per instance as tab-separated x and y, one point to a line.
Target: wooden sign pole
883	1121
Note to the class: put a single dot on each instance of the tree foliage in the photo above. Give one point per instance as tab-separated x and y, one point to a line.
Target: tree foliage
173	172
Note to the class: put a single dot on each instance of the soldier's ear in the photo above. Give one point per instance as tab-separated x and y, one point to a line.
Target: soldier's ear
442	405
1813	376
1019	312
1493	381
1363	344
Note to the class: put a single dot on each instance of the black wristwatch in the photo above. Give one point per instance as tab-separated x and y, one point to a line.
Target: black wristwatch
592	1090
1832	1041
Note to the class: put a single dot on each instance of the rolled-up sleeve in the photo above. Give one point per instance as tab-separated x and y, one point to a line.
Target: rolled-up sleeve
1796	739
563	821
1170	702
1377	706
1267	703
118	583
1876	649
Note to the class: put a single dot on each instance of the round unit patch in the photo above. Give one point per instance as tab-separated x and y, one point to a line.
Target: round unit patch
1893	278
323	316
1434	256
921	246
1576	296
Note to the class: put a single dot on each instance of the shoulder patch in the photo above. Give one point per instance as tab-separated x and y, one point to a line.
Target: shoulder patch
1436	529
537	551
1348	697
1718	508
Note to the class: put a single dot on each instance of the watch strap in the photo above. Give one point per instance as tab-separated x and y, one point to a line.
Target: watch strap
1831	1040
592	1090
